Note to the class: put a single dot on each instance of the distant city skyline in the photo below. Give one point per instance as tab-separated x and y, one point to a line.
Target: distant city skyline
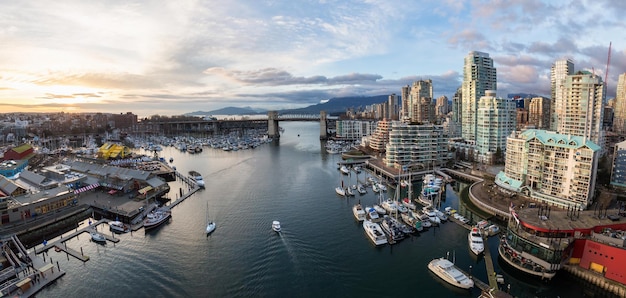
173	58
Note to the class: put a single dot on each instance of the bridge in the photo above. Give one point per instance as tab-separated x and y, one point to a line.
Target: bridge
175	126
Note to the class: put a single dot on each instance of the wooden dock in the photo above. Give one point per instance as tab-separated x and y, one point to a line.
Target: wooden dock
60	243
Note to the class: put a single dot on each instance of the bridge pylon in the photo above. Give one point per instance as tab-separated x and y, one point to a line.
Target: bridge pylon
323	126
273	130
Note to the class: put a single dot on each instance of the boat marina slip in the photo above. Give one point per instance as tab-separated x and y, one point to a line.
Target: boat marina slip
323	248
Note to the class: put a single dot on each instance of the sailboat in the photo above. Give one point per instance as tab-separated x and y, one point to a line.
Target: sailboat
340	190
210	226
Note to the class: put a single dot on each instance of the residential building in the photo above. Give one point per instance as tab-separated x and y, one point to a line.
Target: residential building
558	72
479	75
539	112
552	168
580	110
380	137
442	107
423	110
618	171
355	129
392	107
406	99
416	144
496	119
619	111
420	93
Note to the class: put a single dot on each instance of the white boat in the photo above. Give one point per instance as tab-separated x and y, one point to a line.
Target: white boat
371	214
197	177
361	189
390	205
276	226
118	226
97	237
210	226
344	170
492	230
379	209
375	187
447	271
407	203
358	212
374	232
382	187
340	191
475	241
156	218
432	216
349	191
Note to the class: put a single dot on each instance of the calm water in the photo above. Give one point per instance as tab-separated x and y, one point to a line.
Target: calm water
322	252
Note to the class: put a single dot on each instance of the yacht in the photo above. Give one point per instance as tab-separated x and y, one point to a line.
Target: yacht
374	232
447	271
371	214
432	216
156	218
349	192
210	227
390	205
407	203
276	226
118	226
475	241
197	177
358	212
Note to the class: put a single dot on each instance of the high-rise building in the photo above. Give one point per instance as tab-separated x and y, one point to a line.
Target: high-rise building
355	129
417	110
619	111
580	109
558	72
539	112
392	108
380	137
552	168
495	120
423	110
618	172
479	75
406	101
442	106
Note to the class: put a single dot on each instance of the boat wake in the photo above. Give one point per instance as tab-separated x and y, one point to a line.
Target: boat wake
291	252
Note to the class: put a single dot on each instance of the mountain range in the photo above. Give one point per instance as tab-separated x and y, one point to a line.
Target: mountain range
334	106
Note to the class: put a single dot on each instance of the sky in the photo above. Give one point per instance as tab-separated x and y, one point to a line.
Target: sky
175	57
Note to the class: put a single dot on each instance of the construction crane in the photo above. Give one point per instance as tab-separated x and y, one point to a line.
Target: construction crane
608	61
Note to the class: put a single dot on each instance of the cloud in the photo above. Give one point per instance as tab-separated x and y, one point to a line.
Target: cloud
278	77
469	39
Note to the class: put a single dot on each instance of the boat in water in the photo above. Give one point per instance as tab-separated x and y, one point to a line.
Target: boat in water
197	177
210	226
97	237
372	214
119	227
276	226
358	212
156	218
451	274
374	232
475	241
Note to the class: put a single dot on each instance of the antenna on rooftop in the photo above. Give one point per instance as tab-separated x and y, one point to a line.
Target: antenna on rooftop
608	61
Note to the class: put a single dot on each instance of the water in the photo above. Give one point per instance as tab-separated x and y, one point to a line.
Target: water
322	251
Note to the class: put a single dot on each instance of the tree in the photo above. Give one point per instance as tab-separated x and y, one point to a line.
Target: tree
498	156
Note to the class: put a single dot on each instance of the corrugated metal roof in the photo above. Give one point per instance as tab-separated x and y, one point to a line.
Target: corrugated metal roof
32	177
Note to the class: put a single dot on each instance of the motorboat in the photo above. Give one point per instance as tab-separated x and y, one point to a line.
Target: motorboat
358	212
374	232
97	237
388	225
156	218
492	230
197	177
379	209
119	227
442	216
390	205
407	203
432	216
371	214
451	274
276	226
375	187
475	241
382	187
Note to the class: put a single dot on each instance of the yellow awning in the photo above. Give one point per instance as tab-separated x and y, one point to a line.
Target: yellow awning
23	282
45	267
144	190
